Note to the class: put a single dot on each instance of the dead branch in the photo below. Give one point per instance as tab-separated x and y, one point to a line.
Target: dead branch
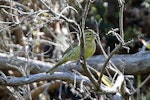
15	81
18	81
133	64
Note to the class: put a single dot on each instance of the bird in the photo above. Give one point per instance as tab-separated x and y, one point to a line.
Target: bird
73	52
145	43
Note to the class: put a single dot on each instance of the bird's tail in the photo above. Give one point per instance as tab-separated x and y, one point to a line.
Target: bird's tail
53	69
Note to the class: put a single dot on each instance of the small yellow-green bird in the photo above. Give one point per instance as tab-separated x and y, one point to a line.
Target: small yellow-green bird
73	52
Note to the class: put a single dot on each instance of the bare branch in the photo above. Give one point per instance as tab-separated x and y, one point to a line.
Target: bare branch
16	81
142	84
82	46
133	64
121	5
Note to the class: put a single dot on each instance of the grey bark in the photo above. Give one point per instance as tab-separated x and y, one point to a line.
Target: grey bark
131	63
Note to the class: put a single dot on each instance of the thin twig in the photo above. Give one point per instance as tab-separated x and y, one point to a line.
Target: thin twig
57	14
82	46
110	56
103	51
141	85
121	5
105	64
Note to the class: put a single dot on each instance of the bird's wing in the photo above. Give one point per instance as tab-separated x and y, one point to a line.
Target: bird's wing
72	46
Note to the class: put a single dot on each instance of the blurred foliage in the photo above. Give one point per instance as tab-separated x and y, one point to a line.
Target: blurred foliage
148	95
136	17
131	33
99	11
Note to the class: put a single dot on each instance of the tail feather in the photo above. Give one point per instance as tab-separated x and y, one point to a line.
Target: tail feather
53	69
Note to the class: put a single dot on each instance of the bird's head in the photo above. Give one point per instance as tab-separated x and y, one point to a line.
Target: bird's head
90	34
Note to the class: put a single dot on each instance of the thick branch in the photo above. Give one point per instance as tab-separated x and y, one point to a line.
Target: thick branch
132	64
15	81
129	63
8	62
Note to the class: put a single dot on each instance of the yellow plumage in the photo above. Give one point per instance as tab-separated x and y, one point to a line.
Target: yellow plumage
73	52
